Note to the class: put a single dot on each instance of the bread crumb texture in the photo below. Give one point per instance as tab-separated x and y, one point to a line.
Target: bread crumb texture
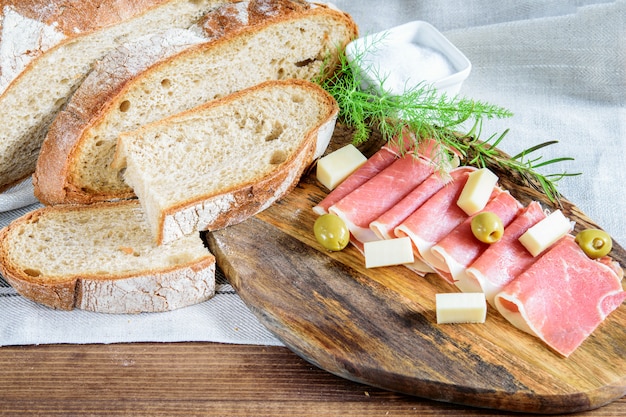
232	144
290	46
47	48
105	242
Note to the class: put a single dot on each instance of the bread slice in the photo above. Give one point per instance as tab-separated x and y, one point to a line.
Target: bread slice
102	258
46	49
135	85
222	162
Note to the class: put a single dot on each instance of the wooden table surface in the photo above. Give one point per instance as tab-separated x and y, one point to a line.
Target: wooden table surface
193	379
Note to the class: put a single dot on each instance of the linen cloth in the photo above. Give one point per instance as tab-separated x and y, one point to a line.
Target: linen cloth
559	66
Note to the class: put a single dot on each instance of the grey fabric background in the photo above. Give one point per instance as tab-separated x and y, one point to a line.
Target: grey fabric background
560	66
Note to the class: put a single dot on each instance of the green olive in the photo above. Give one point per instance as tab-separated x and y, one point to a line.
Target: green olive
487	227
331	232
595	243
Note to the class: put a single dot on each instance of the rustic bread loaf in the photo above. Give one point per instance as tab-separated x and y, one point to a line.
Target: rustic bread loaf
46	49
219	163
102	257
251	42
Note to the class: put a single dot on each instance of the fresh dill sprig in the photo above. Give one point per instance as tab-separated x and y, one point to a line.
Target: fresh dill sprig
430	114
420	108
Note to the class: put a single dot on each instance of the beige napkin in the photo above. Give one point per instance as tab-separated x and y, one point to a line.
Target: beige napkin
18	196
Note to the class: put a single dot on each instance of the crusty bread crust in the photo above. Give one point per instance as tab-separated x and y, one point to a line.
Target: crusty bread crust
79	17
33	30
65	19
257	194
57	171
158	289
226	19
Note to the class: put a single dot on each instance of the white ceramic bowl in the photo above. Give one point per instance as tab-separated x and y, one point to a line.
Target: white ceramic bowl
407	55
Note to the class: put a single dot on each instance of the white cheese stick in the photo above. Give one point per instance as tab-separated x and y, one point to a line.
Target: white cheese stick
545	233
335	167
477	190
388	252
461	307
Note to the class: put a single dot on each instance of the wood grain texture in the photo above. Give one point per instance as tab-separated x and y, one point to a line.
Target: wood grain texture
378	326
199	379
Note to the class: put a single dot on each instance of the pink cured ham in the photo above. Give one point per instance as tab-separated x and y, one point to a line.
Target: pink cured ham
460	247
436	217
385	224
384	157
380	160
505	259
375	164
363	205
439	154
562	297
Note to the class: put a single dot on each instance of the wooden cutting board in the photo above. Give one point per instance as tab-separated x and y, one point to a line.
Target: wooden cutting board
378	326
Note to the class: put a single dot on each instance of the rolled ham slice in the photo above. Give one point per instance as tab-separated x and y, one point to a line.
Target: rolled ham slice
504	260
436	217
400	145
375	164
562	297
366	203
385	224
384	157
460	248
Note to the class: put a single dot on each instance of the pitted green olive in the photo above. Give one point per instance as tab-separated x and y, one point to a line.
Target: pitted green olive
595	243
487	227
331	232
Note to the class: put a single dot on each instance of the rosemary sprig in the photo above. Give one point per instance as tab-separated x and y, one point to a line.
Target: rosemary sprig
482	153
429	114
420	108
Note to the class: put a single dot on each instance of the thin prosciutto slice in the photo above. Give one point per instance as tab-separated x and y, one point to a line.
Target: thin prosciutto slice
436	217
366	203
384	157
375	164
460	248
393	149
562	297
385	224
504	260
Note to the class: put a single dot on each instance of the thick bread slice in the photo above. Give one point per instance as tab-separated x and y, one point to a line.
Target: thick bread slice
102	258
281	39
46	49
222	162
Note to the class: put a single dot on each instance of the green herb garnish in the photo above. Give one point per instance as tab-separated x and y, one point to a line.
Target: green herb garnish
430	114
482	153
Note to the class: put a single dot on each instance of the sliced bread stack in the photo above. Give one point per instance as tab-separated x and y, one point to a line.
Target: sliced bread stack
142	82
46	49
207	126
220	163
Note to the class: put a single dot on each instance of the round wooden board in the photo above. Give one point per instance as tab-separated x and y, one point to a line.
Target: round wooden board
378	326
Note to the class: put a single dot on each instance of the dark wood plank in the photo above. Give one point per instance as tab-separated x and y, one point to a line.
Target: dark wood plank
198	379
378	326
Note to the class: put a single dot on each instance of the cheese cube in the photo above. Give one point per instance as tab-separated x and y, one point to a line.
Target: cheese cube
461	307
477	190
545	233
388	252
335	167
